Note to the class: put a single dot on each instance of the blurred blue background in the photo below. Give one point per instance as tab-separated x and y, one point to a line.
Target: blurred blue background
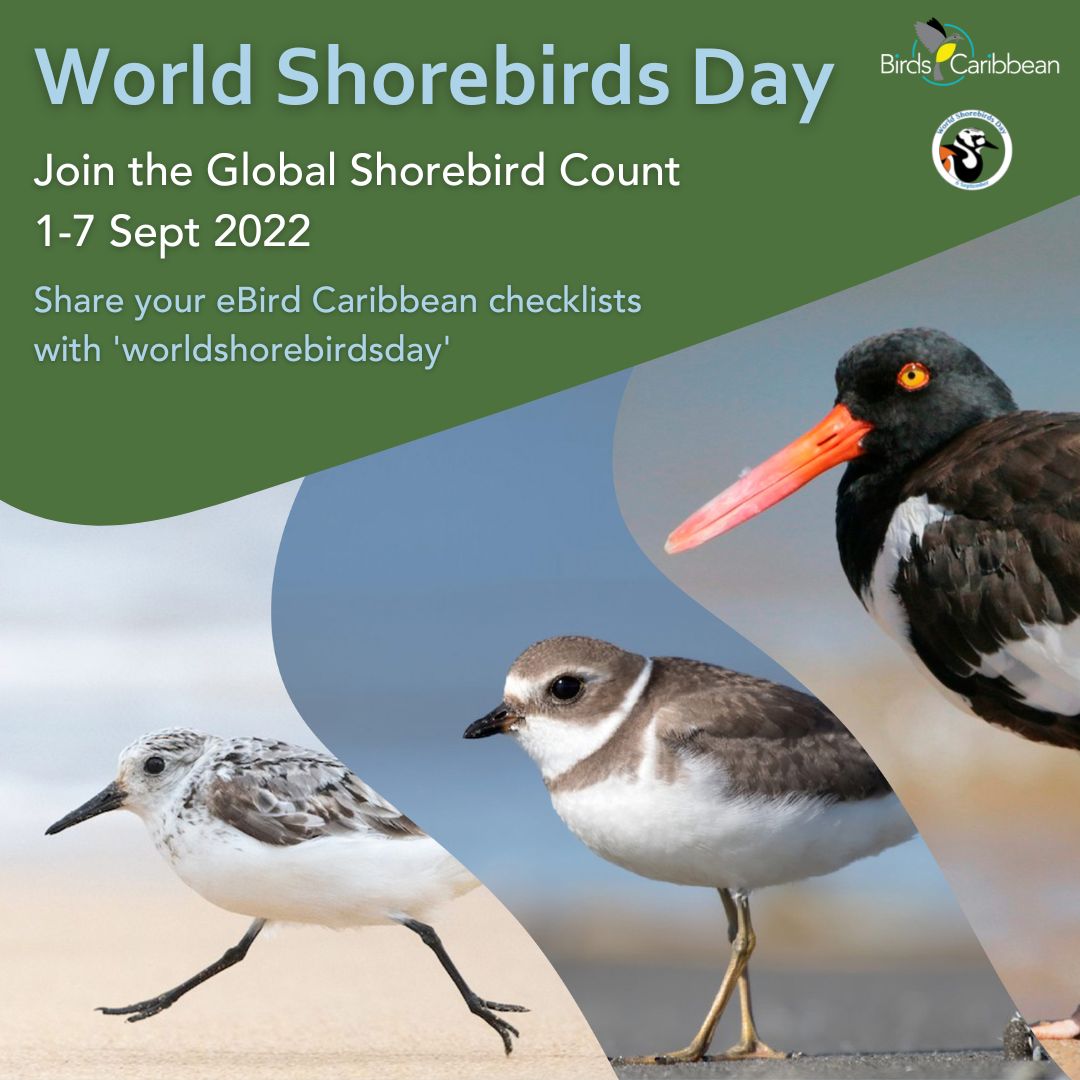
407	583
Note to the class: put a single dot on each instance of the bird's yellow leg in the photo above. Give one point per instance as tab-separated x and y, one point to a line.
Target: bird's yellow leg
749	1044
742	945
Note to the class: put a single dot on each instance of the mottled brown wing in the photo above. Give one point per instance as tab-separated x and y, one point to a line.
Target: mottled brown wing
298	798
771	740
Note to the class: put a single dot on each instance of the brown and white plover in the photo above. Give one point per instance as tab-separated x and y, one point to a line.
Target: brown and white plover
686	772
283	834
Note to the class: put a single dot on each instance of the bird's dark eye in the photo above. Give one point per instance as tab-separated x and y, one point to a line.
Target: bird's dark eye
154	765
566	688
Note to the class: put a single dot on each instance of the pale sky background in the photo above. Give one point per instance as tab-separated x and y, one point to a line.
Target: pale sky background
110	632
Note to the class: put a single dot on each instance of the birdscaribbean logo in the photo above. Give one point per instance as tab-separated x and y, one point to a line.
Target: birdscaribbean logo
972	149
943	54
941	42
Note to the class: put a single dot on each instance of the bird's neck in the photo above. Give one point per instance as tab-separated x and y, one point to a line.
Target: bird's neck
865	501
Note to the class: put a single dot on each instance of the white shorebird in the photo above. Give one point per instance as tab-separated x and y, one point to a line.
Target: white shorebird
283	834
690	773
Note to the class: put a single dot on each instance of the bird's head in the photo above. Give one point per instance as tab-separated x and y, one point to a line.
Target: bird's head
149	773
900	397
974	139
558	695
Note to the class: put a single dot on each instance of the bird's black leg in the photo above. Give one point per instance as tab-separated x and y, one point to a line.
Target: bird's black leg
477	1005
152	1006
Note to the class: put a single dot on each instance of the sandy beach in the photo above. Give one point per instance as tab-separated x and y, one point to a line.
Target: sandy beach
310	1003
1066	1054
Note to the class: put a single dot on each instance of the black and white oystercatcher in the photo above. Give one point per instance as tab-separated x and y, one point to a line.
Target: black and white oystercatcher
690	773
957	519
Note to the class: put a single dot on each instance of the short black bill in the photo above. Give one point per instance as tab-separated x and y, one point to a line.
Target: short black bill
496	722
110	798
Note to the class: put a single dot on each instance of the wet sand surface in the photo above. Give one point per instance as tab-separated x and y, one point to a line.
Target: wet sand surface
306	1003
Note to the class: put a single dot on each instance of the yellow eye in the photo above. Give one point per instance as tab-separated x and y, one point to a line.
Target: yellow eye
913	376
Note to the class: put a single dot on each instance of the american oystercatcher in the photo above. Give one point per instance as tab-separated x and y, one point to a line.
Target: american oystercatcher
694	774
957	519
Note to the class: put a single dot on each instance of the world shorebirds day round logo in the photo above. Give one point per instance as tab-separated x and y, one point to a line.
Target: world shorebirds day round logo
972	149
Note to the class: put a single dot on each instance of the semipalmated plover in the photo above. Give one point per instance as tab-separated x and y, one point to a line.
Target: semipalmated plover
690	773
283	834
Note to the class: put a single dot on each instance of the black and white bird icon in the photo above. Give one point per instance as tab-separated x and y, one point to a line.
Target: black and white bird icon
957	520
963	156
937	43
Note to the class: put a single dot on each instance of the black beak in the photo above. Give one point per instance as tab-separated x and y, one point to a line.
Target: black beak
497	722
993	146
110	798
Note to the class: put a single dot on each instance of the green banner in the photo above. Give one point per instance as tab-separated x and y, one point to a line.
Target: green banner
245	244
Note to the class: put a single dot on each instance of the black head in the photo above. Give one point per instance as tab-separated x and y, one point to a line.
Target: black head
917	389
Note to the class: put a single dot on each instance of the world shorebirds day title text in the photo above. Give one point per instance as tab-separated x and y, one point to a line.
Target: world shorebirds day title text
302	76
228	78
306	75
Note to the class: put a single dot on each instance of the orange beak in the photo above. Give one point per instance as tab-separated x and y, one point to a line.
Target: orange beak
838	438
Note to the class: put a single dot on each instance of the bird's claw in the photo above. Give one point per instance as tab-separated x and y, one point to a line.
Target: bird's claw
142	1010
483	1009
749	1049
500	1007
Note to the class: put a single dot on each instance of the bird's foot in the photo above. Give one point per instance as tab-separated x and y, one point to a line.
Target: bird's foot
142	1010
752	1048
483	1009
498	1006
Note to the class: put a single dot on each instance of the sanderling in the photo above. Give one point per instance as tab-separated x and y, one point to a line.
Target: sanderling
690	773
283	834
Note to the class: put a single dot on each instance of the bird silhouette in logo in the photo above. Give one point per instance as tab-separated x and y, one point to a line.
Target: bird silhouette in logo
937	43
963	156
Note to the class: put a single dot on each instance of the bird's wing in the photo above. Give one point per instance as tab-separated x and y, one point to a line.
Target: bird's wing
772	740
991	591
281	794
936	24
929	35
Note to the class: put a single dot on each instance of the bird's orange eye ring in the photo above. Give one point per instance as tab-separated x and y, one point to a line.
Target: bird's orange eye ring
913	376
